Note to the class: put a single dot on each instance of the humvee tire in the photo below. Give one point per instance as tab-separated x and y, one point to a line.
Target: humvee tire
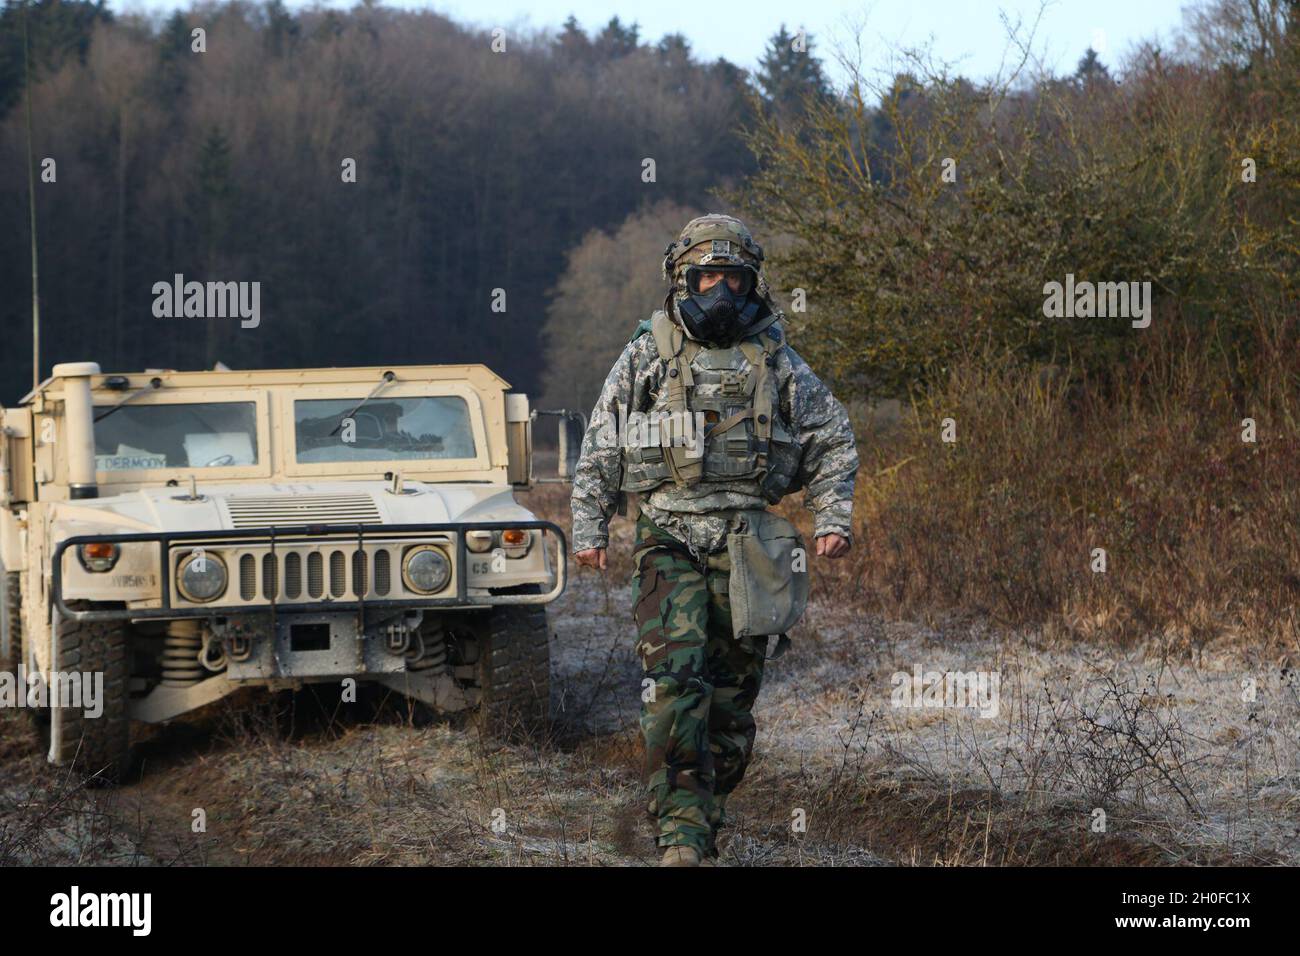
514	669
39	717
99	748
13	612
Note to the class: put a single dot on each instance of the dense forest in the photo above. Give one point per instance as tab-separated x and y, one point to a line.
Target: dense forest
479	162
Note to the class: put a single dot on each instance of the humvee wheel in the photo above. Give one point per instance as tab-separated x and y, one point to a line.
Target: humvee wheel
99	748
38	717
514	670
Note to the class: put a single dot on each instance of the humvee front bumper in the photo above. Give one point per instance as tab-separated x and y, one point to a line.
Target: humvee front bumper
287	537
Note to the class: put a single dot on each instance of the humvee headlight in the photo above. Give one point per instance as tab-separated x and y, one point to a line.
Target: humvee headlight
202	577
426	569
98	556
478	541
516	542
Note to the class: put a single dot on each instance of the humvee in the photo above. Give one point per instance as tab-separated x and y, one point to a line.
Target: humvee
188	534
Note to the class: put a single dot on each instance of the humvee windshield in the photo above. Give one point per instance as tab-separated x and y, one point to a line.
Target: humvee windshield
199	435
383	429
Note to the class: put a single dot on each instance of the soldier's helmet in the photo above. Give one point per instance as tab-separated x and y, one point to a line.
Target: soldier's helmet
713	239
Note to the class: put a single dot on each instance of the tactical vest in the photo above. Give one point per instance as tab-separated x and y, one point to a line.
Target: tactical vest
735	391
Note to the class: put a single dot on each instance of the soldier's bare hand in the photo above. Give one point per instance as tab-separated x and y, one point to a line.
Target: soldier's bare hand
833	545
592	558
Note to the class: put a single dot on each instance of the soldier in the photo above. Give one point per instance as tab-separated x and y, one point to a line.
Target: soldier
709	416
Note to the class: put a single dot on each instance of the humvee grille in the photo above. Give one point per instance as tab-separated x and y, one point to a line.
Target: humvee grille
334	570
338	576
340	583
360	583
270	574
260	511
247	577
315	574
292	576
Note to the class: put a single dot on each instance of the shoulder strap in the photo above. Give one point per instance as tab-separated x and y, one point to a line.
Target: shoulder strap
666	334
677	350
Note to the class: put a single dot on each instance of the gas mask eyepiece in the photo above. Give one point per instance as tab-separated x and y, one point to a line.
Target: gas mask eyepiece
719	306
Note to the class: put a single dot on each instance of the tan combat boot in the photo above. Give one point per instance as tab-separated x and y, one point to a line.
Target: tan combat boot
680	856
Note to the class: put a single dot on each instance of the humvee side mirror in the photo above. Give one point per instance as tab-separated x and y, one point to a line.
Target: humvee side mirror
571	427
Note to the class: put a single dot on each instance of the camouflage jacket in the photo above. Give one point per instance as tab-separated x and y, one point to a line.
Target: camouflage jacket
701	515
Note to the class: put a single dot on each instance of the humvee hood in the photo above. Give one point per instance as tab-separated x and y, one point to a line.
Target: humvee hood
262	504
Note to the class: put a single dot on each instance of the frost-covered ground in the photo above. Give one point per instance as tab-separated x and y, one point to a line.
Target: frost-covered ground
1093	756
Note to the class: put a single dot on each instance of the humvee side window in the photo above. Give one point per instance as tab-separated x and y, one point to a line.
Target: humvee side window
201	435
382	429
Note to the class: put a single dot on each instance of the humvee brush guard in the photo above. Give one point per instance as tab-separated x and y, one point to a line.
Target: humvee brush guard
181	535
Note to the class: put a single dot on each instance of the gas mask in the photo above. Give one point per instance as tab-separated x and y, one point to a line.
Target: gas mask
721	313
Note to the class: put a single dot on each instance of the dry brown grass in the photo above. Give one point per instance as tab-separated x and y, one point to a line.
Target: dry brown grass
1201	530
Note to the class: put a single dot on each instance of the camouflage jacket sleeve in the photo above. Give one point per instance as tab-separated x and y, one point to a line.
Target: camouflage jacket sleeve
600	466
829	466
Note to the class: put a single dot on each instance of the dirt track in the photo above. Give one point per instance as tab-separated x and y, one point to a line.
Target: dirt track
1182	767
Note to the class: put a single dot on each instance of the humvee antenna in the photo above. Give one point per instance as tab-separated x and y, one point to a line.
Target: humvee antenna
31	205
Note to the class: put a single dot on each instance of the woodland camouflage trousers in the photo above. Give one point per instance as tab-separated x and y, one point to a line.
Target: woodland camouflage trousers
698	725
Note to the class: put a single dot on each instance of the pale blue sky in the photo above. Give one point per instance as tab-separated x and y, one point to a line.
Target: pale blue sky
968	33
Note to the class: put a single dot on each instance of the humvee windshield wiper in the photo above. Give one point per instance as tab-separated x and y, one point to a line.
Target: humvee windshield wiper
154	383
383	383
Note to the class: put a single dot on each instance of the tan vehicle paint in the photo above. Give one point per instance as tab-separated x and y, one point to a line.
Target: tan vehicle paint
321	596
